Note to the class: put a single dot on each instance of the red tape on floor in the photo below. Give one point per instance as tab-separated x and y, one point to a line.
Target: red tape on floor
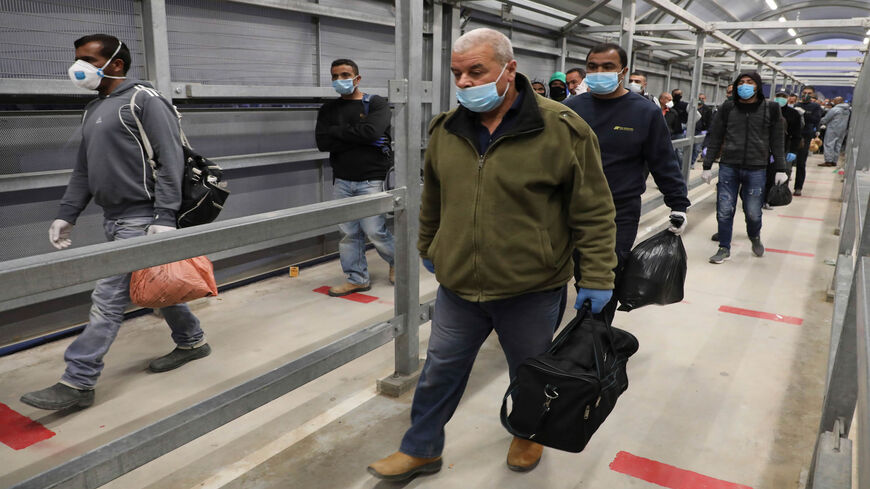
787	252
356	296
18	432
801	217
762	315
667	475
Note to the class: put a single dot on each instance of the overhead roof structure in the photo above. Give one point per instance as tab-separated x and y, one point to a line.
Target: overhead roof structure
759	29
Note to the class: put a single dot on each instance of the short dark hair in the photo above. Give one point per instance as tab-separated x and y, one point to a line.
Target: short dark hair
609	46
345	61
810	87
637	73
781	93
674	90
109	45
581	71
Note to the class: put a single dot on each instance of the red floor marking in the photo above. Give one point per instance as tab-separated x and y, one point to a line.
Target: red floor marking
798	253
801	217
667	475
762	315
19	432
356	296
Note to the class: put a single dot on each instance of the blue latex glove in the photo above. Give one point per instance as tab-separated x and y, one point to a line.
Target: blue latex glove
598	298
704	152
790	157
428	265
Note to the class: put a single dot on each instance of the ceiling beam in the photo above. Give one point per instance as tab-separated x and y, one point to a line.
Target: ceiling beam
832	24
583	14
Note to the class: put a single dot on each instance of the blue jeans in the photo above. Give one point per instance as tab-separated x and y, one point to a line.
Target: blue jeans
111	296
352	247
525	325
750	186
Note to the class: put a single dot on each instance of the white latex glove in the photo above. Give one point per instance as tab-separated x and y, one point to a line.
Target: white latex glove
59	233
707	176
678	222
156	228
780	178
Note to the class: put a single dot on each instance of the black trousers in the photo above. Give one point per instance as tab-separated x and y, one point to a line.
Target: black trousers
801	162
627	218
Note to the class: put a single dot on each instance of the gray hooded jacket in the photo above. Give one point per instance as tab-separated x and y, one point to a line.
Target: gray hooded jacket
837	120
112	166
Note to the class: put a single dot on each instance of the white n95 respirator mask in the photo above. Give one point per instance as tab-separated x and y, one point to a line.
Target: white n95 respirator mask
87	76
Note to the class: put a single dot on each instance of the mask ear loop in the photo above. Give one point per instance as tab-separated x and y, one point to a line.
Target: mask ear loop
100	70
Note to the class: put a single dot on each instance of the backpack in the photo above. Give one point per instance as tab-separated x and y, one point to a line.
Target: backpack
382	143
203	189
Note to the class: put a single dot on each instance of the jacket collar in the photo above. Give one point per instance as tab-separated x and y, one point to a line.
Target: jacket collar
464	122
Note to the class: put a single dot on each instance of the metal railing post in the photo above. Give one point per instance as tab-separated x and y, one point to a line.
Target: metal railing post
695	89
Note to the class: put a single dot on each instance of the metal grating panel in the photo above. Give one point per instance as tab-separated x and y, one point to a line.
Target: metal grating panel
37	35
372	47
225	43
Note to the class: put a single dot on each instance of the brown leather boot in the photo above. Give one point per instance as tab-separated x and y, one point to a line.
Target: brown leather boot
348	288
399	467
393	275
524	455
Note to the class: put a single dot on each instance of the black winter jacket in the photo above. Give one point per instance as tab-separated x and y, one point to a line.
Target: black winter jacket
750	135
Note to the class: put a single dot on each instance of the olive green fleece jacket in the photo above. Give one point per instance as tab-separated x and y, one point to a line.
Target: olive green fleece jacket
505	223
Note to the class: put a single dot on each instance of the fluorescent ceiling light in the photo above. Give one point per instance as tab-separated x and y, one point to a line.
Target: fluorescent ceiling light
792	32
867	40
799	41
781	18
772	4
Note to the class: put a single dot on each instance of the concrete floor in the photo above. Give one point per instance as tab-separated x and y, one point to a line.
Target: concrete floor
730	397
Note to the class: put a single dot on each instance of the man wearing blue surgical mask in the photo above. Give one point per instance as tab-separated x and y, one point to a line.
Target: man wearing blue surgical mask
355	130
749	130
633	137
512	184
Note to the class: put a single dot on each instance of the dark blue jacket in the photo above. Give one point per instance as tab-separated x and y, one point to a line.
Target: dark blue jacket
632	135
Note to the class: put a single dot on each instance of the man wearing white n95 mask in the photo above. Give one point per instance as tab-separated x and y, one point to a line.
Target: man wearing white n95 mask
632	134
512	183
136	200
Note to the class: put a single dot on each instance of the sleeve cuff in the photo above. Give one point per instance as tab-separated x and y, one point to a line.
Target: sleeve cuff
68	213
164	217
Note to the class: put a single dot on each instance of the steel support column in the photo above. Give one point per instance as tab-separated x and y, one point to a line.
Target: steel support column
626	36
455	32
668	77
737	57
697	73
408	127
563	54
156	45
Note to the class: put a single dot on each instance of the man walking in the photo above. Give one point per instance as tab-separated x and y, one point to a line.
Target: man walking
793	123
633	137
748	129
136	201
637	84
355	129
575	78
837	122
812	117
512	183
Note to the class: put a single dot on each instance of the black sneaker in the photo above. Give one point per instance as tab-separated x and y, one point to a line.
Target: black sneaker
178	357
722	255
757	247
59	396
715	237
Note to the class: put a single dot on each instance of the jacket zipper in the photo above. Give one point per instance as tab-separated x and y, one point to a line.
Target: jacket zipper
481	159
746	139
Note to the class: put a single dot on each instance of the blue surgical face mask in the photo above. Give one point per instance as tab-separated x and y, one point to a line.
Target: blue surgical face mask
344	87
781	101
482	98
602	83
746	91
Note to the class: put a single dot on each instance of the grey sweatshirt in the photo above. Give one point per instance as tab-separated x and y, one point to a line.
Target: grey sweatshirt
112	166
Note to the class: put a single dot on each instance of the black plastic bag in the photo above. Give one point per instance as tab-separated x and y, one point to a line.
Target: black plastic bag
654	273
779	195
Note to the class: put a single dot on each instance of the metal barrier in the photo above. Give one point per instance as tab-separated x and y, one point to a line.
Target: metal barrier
847	392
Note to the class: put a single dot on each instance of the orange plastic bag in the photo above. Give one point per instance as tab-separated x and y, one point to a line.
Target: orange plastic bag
173	283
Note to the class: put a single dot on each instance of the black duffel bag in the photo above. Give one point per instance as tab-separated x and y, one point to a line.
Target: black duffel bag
562	396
